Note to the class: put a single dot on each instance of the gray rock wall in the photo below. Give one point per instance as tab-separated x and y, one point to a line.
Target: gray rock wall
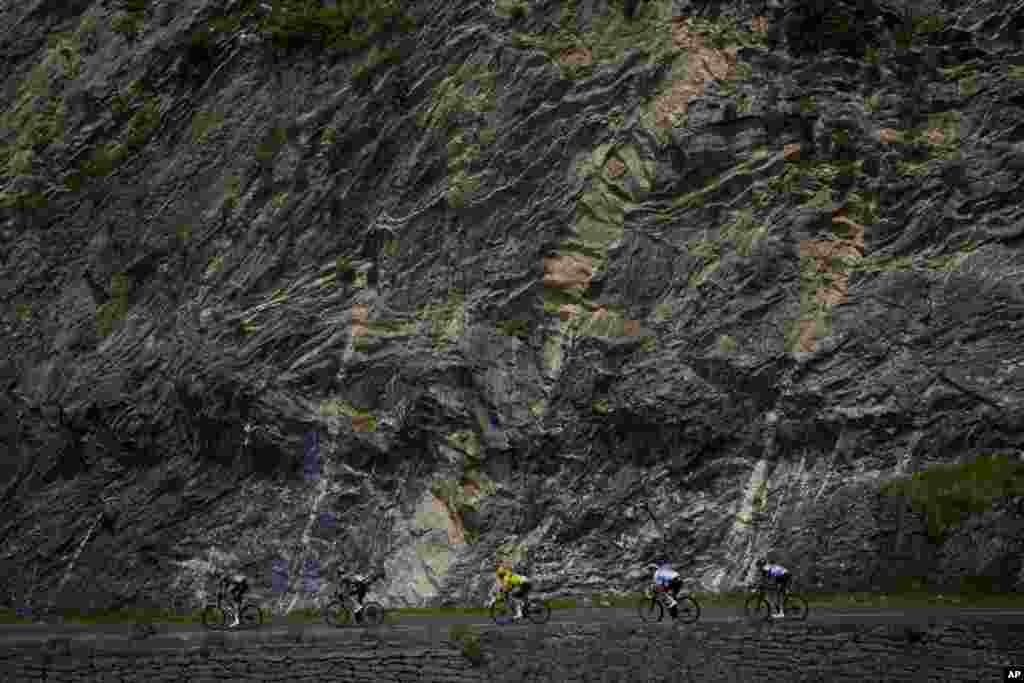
550	284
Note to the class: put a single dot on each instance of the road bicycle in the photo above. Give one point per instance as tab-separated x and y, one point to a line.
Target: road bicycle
759	607
339	612
654	604
215	615
503	612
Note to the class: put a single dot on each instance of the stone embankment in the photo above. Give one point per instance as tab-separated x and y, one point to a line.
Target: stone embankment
972	650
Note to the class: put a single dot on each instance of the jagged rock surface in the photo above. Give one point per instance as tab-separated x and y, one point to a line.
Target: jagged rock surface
578	302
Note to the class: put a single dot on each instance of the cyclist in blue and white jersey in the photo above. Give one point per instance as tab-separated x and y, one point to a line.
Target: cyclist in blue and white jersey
780	577
668	581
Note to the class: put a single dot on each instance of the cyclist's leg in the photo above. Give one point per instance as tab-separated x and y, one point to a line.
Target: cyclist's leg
360	595
519	596
779	594
783	592
525	591
672	592
236	605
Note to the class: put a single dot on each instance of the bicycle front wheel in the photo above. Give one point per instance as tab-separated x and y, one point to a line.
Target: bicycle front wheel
372	614
214	617
757	608
650	609
538	612
337	614
795	607
687	611
501	612
250	617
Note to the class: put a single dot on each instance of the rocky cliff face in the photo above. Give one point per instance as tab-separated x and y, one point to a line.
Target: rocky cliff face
292	289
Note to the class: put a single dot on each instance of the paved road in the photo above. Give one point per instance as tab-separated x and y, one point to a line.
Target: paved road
412	625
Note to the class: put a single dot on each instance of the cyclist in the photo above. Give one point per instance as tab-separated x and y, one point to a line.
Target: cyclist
514	586
780	577
357	586
236	585
667	580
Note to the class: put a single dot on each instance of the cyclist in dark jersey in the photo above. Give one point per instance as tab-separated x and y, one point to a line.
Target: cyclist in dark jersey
357	585
780	577
236	586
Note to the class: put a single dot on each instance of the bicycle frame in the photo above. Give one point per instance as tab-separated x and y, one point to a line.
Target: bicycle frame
341	608
346	596
346	599
508	598
511	599
766	591
660	594
227	605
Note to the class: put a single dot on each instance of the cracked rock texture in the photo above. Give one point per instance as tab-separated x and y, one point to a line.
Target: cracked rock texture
553	285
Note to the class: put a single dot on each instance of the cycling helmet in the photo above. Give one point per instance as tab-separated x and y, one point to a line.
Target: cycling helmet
652	565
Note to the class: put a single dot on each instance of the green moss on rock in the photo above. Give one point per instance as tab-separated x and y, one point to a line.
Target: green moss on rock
515	328
727	345
347	25
344	270
947	494
113	311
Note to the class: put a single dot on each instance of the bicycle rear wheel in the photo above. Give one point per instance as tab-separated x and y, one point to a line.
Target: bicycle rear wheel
538	612
687	611
214	617
337	614
650	609
502	613
250	617
757	608
795	608
372	614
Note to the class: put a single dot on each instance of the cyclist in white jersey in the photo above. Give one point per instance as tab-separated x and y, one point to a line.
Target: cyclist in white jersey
668	581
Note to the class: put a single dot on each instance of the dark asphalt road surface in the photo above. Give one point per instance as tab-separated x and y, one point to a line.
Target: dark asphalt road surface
29	633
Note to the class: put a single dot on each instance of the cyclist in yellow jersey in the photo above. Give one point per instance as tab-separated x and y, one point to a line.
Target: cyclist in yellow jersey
514	586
